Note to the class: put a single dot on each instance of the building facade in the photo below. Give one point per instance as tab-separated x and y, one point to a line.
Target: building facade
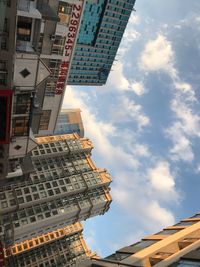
102	27
7	50
62	186
175	246
70	121
62	247
35	59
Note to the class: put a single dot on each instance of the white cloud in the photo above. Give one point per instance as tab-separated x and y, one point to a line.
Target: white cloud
157	55
141	150
118	81
184	129
138	88
130	35
117	78
190	121
145	207
182	149
100	133
127	110
132	192
197	168
162	180
161	216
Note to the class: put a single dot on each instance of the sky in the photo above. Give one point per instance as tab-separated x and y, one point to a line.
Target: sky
145	125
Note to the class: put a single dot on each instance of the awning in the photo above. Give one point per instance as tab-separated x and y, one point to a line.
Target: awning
32	13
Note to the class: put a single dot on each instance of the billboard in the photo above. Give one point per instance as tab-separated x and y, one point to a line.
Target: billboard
69	45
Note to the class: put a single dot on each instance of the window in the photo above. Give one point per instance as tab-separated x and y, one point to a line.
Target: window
22	105
24	221
12	202
44	119
26	190
64	11
3	72
36	196
28	198
4	42
58	49
21	200
188	263
24	26
4	204
168	232
20	126
2	196
43	194
185	223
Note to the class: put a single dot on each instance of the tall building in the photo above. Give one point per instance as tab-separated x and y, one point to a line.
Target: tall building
33	71
102	27
175	246
70	121
44	46
7	49
60	185
62	247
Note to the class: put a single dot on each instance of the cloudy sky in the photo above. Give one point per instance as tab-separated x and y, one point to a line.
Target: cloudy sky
145	124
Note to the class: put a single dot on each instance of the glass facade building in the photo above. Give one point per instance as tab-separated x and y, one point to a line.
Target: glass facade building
102	27
70	121
175	246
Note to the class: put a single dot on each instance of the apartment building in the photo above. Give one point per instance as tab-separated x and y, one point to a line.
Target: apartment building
62	247
63	187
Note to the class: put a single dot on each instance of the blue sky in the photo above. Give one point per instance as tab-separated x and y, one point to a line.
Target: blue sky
145	124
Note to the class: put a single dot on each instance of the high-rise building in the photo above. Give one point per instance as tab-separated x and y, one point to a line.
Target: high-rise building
44	46
34	67
175	246
7	49
69	121
62	247
102	27
60	186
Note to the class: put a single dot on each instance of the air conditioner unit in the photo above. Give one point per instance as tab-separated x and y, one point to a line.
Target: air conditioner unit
53	37
36	104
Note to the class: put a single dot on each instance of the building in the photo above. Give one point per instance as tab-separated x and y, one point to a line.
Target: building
43	30
63	247
7	50
102	27
60	185
70	121
44	46
175	246
33	71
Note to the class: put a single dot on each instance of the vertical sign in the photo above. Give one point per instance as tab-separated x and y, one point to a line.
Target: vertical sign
69	45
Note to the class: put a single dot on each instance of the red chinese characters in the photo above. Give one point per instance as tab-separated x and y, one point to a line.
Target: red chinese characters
69	44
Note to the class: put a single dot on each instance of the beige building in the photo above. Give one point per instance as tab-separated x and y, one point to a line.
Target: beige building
33	71
61	186
175	246
63	247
